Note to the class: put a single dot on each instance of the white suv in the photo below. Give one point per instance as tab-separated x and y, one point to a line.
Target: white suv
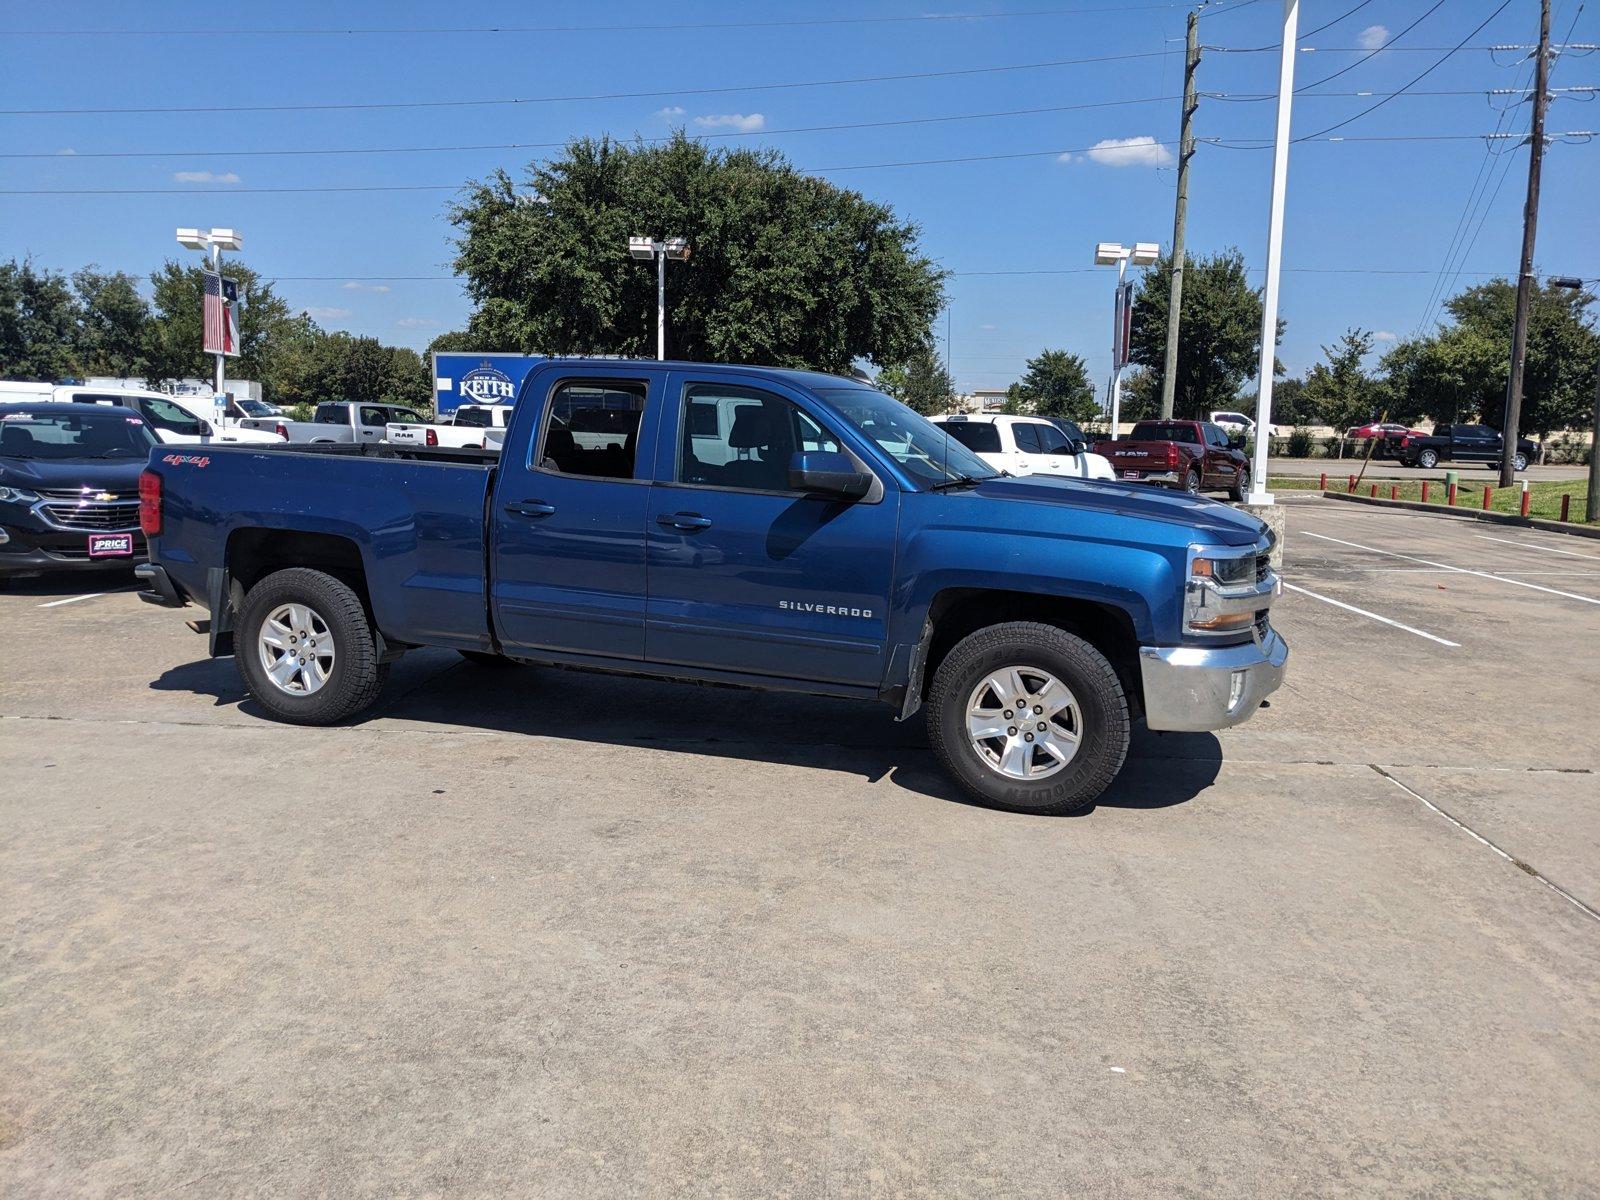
1028	445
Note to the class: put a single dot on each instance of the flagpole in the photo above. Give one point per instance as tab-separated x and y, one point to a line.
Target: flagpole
219	402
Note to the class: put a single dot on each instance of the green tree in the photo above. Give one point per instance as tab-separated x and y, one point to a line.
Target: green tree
1340	390
785	268
1219	331
454	342
1463	370
111	325
921	382
39	321
1056	385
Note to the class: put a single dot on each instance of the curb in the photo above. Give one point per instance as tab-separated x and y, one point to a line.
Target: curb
1474	514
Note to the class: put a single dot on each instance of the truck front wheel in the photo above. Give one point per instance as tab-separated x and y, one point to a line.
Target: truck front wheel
1028	717
305	650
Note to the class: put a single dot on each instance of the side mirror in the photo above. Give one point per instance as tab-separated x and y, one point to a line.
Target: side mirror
205	429
1074	447
828	472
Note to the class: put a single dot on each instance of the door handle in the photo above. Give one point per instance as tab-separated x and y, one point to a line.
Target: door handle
683	521
530	508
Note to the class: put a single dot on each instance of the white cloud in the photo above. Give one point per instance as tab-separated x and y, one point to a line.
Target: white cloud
66	150
743	122
354	286
1141	151
204	177
1372	37
417	323
988	328
672	110
1383	335
325	314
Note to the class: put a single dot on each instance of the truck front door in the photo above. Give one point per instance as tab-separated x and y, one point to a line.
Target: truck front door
746	573
568	516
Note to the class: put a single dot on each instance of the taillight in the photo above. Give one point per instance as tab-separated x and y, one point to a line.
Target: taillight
1406	441
281	430
431	436
149	503
1172	455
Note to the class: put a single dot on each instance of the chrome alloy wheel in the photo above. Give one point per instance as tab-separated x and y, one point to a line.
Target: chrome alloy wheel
296	648
1024	722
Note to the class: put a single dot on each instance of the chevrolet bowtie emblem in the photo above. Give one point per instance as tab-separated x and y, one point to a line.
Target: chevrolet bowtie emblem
104	497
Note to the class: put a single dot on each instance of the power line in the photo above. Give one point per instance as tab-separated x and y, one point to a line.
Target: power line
916	162
658	94
1307	34
1437	63
1011	112
1387	43
630	27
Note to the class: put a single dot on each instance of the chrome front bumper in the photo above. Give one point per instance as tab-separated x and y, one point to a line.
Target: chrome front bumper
1194	688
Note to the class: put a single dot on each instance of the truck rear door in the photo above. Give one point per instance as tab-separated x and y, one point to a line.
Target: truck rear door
567	521
746	573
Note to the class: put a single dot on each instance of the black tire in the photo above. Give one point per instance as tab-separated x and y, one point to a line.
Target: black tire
482	658
1428	459
1241	485
1103	706
1191	482
356	676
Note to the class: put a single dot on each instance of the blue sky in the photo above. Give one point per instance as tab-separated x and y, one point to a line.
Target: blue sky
1355	207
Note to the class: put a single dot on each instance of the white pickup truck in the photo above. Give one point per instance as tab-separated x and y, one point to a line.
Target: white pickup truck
467	429
339	421
175	420
1028	445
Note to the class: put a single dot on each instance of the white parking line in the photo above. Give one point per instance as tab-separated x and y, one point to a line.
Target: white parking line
1422	633
73	599
1531	546
1458	570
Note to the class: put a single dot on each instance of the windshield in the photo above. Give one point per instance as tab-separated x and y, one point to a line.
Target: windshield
925	451
61	436
255	408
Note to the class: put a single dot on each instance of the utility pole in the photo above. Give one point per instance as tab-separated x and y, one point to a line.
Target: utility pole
1180	215
1530	223
1591	508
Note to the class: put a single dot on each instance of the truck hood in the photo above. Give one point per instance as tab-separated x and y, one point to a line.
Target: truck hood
94	474
1210	520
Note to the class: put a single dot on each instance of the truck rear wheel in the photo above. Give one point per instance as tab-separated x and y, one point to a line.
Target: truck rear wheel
305	650
1028	717
1191	481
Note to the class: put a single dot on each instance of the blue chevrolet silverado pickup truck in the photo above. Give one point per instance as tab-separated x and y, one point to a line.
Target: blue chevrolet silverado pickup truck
751	526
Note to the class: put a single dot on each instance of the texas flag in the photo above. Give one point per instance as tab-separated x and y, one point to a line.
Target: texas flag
221	315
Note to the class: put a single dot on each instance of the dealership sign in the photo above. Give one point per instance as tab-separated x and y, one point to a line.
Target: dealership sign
478	379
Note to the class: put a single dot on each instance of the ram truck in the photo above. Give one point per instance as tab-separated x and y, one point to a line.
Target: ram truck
1194	456
766	528
1461	443
338	422
466	427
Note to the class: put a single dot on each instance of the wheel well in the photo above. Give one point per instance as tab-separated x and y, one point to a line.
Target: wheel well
254	554
959	611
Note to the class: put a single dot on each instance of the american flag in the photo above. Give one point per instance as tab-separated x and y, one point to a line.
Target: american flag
221	315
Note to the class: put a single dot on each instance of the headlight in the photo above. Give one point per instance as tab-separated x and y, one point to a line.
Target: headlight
1223	597
17	495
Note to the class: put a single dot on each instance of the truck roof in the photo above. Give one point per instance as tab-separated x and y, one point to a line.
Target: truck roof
813	379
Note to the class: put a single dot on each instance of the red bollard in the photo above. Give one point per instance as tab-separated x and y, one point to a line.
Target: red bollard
1487	492
1323	482
1424	491
1566	506
1450	495
1352	483
1526	497
1394	491
1374	491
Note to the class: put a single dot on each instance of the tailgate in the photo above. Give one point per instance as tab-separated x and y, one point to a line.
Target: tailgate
1136	456
406	435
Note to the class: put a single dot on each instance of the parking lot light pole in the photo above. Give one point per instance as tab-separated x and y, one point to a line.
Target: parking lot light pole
214	241
1269	307
644	248
1591	506
1141	254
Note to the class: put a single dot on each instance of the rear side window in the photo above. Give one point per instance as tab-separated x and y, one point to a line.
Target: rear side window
592	429
981	437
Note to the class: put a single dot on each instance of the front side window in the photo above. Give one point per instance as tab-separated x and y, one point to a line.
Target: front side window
1027	435
924	450
1051	439
371	415
592	429
739	437
331	414
164	414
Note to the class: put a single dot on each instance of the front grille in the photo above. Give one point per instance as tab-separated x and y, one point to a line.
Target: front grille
1263	566
94	515
79	494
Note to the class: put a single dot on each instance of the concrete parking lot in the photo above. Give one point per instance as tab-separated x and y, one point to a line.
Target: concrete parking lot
541	933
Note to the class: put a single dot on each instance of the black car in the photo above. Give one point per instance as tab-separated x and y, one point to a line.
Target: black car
69	487
1460	443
